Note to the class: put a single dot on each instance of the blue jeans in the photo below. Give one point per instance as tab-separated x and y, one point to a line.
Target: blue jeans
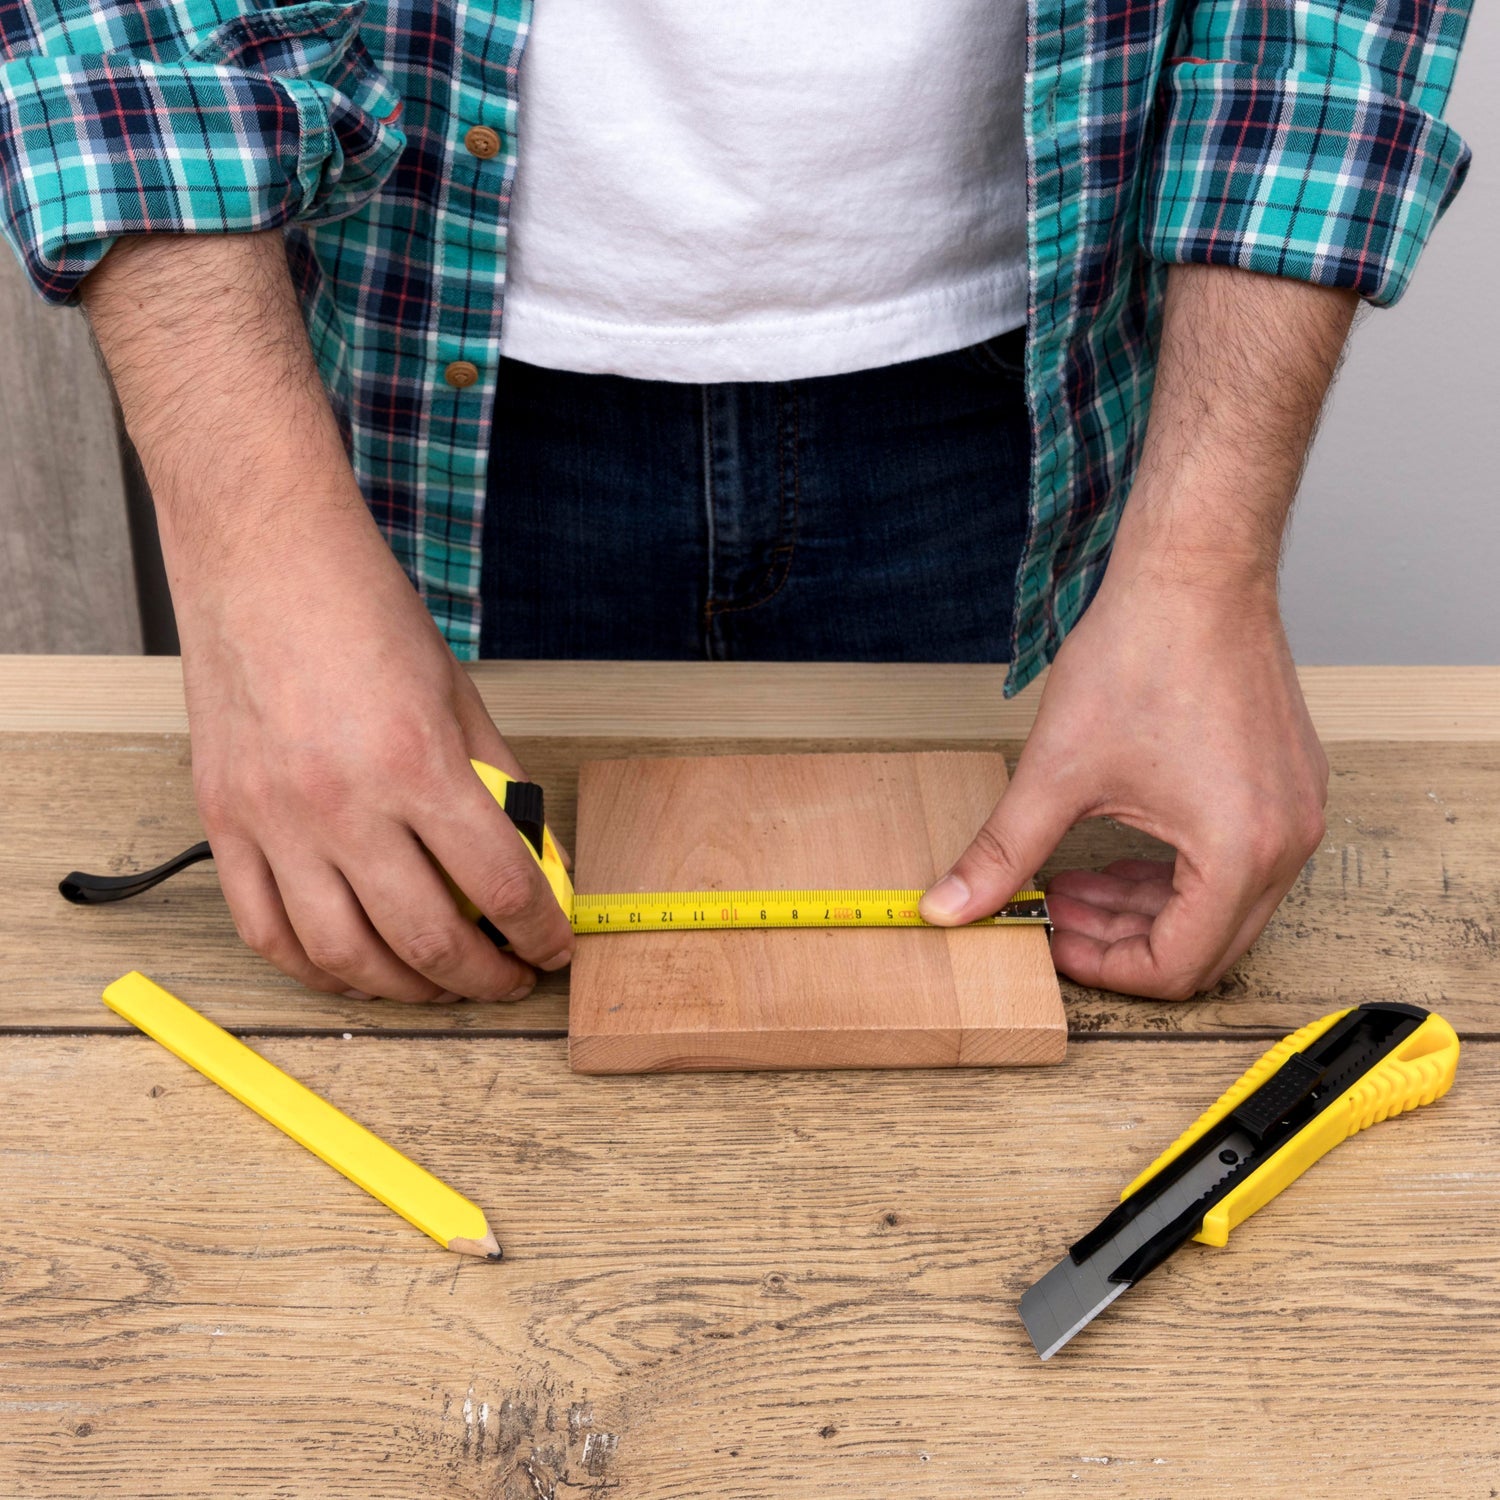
875	516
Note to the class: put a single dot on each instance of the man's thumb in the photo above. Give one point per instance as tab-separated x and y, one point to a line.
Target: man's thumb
1003	858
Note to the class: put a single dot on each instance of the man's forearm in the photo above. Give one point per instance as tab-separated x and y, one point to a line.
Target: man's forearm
205	342
1173	705
333	732
1245	363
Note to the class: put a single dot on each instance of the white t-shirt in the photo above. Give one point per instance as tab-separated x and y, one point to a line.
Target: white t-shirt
764	190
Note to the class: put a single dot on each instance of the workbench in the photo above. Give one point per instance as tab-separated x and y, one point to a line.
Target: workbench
744	1287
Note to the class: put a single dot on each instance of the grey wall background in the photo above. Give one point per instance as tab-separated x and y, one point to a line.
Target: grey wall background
1394	554
1395	547
66	577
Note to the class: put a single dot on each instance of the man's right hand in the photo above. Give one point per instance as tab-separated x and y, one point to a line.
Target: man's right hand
332	732
332	728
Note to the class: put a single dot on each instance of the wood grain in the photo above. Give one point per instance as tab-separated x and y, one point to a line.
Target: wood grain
1399	903
905	998
754	700
750	1287
66	575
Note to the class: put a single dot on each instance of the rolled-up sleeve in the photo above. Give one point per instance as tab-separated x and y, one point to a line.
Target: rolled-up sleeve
269	117
1305	138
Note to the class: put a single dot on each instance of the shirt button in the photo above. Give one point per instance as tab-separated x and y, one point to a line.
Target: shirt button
483	142
461	373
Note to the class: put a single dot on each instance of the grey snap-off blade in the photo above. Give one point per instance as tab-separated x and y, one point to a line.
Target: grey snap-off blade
1079	1287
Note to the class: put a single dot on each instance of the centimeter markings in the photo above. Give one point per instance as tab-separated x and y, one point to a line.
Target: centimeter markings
648	911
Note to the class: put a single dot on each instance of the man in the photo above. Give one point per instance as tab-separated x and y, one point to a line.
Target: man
757	392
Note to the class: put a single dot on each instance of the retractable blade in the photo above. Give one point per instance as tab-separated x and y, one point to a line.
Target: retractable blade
1075	1291
1314	1089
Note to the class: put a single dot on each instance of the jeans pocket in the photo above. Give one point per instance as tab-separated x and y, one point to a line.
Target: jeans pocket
1003	355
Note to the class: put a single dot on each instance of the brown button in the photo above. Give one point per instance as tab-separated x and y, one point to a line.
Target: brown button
483	142
461	373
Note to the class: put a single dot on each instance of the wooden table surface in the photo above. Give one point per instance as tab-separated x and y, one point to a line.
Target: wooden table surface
740	1286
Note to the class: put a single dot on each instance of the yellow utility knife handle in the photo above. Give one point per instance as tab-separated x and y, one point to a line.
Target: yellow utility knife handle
1418	1071
549	860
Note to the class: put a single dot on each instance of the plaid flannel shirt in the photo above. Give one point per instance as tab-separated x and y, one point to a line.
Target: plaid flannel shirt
1298	137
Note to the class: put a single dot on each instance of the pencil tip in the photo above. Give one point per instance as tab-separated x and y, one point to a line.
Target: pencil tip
487	1248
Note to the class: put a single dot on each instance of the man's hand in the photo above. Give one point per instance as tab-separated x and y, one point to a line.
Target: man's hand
332	734
1174	706
1179	714
331	727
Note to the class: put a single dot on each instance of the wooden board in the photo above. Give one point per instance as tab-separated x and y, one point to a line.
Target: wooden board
746	1287
830	998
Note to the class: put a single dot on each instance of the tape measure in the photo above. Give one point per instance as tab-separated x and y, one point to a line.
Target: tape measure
640	911
714	911
709	911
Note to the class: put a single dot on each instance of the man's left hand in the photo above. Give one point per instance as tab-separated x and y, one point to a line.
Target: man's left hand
1173	705
1176	709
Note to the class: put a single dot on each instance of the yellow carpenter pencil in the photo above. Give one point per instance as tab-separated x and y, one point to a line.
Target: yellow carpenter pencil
347	1147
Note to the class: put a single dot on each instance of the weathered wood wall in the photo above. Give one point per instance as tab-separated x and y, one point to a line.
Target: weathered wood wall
67	580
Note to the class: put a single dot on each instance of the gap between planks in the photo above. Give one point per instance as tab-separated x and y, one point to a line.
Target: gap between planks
503	1034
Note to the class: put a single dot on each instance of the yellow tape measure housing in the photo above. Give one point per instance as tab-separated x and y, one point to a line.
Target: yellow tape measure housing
671	911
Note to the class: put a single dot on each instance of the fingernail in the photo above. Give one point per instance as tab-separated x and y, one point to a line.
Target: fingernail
946	901
357	995
557	961
446	998
520	992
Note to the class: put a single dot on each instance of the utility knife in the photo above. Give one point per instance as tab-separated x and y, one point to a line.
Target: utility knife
1312	1090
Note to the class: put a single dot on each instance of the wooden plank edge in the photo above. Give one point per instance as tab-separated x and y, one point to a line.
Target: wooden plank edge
808	1051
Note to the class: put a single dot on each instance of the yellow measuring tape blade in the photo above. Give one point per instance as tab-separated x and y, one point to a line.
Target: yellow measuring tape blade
672	911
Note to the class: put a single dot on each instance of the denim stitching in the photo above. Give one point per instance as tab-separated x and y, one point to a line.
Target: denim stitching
783	552
708	511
